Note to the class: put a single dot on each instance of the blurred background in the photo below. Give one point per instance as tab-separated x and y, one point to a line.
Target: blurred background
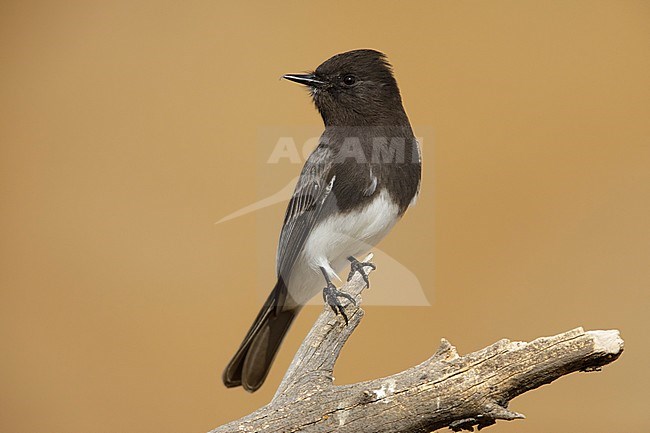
128	128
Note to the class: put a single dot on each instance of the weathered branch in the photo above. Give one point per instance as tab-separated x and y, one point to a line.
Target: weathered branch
446	390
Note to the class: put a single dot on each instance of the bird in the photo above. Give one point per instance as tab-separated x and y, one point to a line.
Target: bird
357	183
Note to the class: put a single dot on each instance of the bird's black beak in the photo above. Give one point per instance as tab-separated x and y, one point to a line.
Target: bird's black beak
306	79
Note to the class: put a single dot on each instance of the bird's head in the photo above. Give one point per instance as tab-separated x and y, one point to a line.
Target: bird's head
354	88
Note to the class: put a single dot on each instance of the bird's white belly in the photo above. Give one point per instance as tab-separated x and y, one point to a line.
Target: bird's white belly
336	238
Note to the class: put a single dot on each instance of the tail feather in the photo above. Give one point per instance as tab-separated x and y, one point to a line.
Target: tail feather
250	365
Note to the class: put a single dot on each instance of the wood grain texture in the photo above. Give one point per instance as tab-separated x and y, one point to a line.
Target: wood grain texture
446	390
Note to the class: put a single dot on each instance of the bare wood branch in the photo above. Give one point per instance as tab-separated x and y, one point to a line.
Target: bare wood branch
446	390
315	359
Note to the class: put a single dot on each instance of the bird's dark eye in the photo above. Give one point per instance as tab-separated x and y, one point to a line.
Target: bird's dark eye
349	80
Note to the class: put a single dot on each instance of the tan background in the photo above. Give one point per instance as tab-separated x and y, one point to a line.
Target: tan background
129	128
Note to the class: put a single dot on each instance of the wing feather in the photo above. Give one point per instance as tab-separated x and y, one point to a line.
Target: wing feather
310	198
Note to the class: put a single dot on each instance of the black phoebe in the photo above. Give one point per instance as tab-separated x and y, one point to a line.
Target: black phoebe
354	187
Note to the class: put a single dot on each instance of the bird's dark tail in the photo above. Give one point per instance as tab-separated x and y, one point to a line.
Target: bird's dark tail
250	365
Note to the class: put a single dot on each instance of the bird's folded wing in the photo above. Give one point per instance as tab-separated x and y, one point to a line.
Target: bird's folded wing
312	200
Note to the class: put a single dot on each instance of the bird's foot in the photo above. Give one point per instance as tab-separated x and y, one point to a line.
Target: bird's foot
331	296
357	266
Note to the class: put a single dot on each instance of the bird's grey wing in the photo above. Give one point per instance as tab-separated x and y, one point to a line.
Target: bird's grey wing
312	200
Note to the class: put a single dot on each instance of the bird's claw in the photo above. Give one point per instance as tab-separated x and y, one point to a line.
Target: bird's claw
357	266
331	296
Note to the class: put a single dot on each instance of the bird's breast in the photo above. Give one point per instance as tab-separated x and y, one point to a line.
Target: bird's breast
351	233
336	237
